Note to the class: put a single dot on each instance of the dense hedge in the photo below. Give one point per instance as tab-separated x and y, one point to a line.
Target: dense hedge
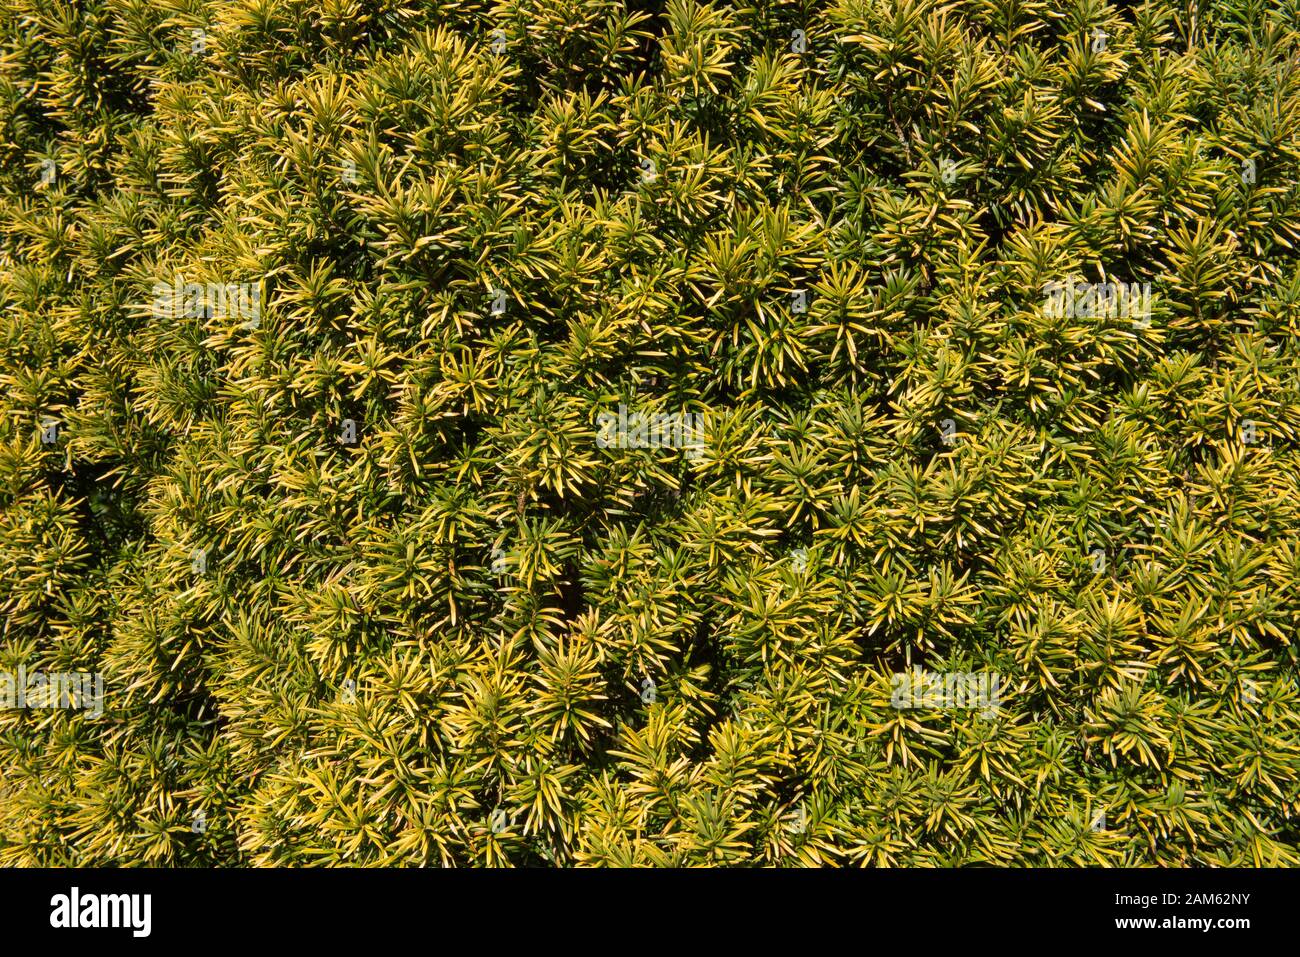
477	635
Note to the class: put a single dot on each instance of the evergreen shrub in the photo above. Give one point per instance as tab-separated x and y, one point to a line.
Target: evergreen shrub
562	432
